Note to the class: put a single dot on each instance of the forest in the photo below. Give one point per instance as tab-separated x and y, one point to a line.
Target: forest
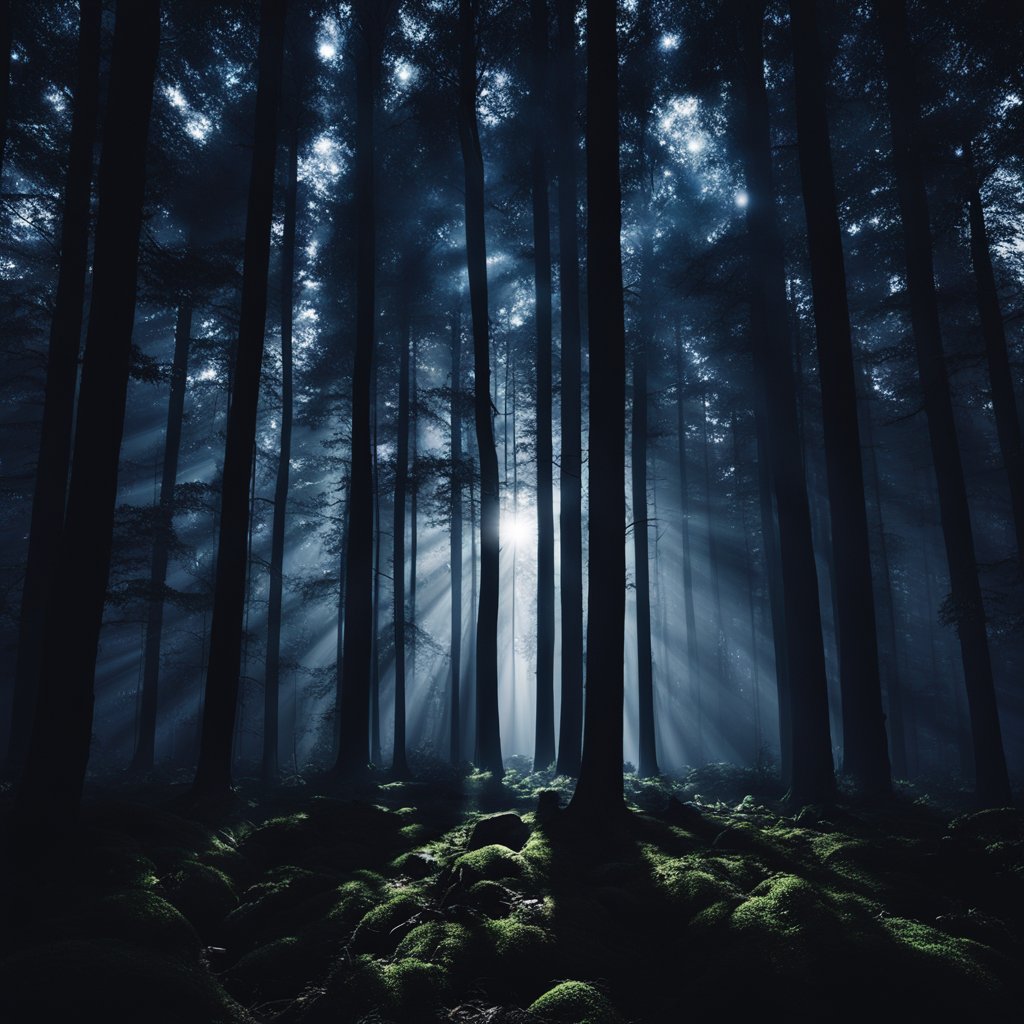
511	511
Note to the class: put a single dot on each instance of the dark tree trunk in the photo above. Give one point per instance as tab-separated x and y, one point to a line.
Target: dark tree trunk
865	750
991	782
692	646
61	371
648	765
544	739
399	764
272	675
570	517
714	573
145	744
488	738
889	649
773	572
339	675
51	785
213	775
454	713
375	753
1004	403
599	793
354	746
414	496
813	777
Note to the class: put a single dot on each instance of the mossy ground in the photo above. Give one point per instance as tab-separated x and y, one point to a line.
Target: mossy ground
346	906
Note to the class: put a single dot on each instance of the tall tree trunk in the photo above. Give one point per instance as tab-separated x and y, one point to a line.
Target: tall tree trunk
414	497
991	782
454	694
544	739
599	793
773	572
354	749
339	674
1004	403
375	752
51	785
488	737
865	749
648	765
61	370
570	480
813	778
399	764
692	645
272	675
889	648
714	574
145	743
213	775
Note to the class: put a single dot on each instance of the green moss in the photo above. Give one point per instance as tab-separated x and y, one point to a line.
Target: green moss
575	1002
490	898
437	942
489	862
277	970
521	959
382	928
412	988
202	893
137	917
940	950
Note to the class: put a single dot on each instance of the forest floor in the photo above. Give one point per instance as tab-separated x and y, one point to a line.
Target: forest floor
448	900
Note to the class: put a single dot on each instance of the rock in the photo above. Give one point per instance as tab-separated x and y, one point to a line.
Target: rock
685	816
548	806
500	829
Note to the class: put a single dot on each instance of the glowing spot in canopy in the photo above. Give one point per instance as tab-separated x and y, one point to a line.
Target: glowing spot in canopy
742	199
669	41
520	529
328	51
694	144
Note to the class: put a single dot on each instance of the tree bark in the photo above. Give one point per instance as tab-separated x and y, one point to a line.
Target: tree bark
213	774
61	371
51	785
145	744
570	480
6	42
599	792
354	752
488	739
812	772
865	749
544	738
399	764
454	712
992	785
272	674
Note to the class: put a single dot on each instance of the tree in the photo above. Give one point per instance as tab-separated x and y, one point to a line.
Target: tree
570	482
865	751
61	371
544	741
488	738
51	785
371	23
812	775
991	781
599	792
213	774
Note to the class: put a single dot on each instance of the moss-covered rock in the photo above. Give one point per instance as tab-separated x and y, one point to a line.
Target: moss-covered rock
489	862
204	894
575	1002
382	928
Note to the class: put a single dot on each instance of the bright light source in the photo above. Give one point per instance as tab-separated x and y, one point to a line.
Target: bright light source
519	530
742	199
669	41
328	51
694	144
